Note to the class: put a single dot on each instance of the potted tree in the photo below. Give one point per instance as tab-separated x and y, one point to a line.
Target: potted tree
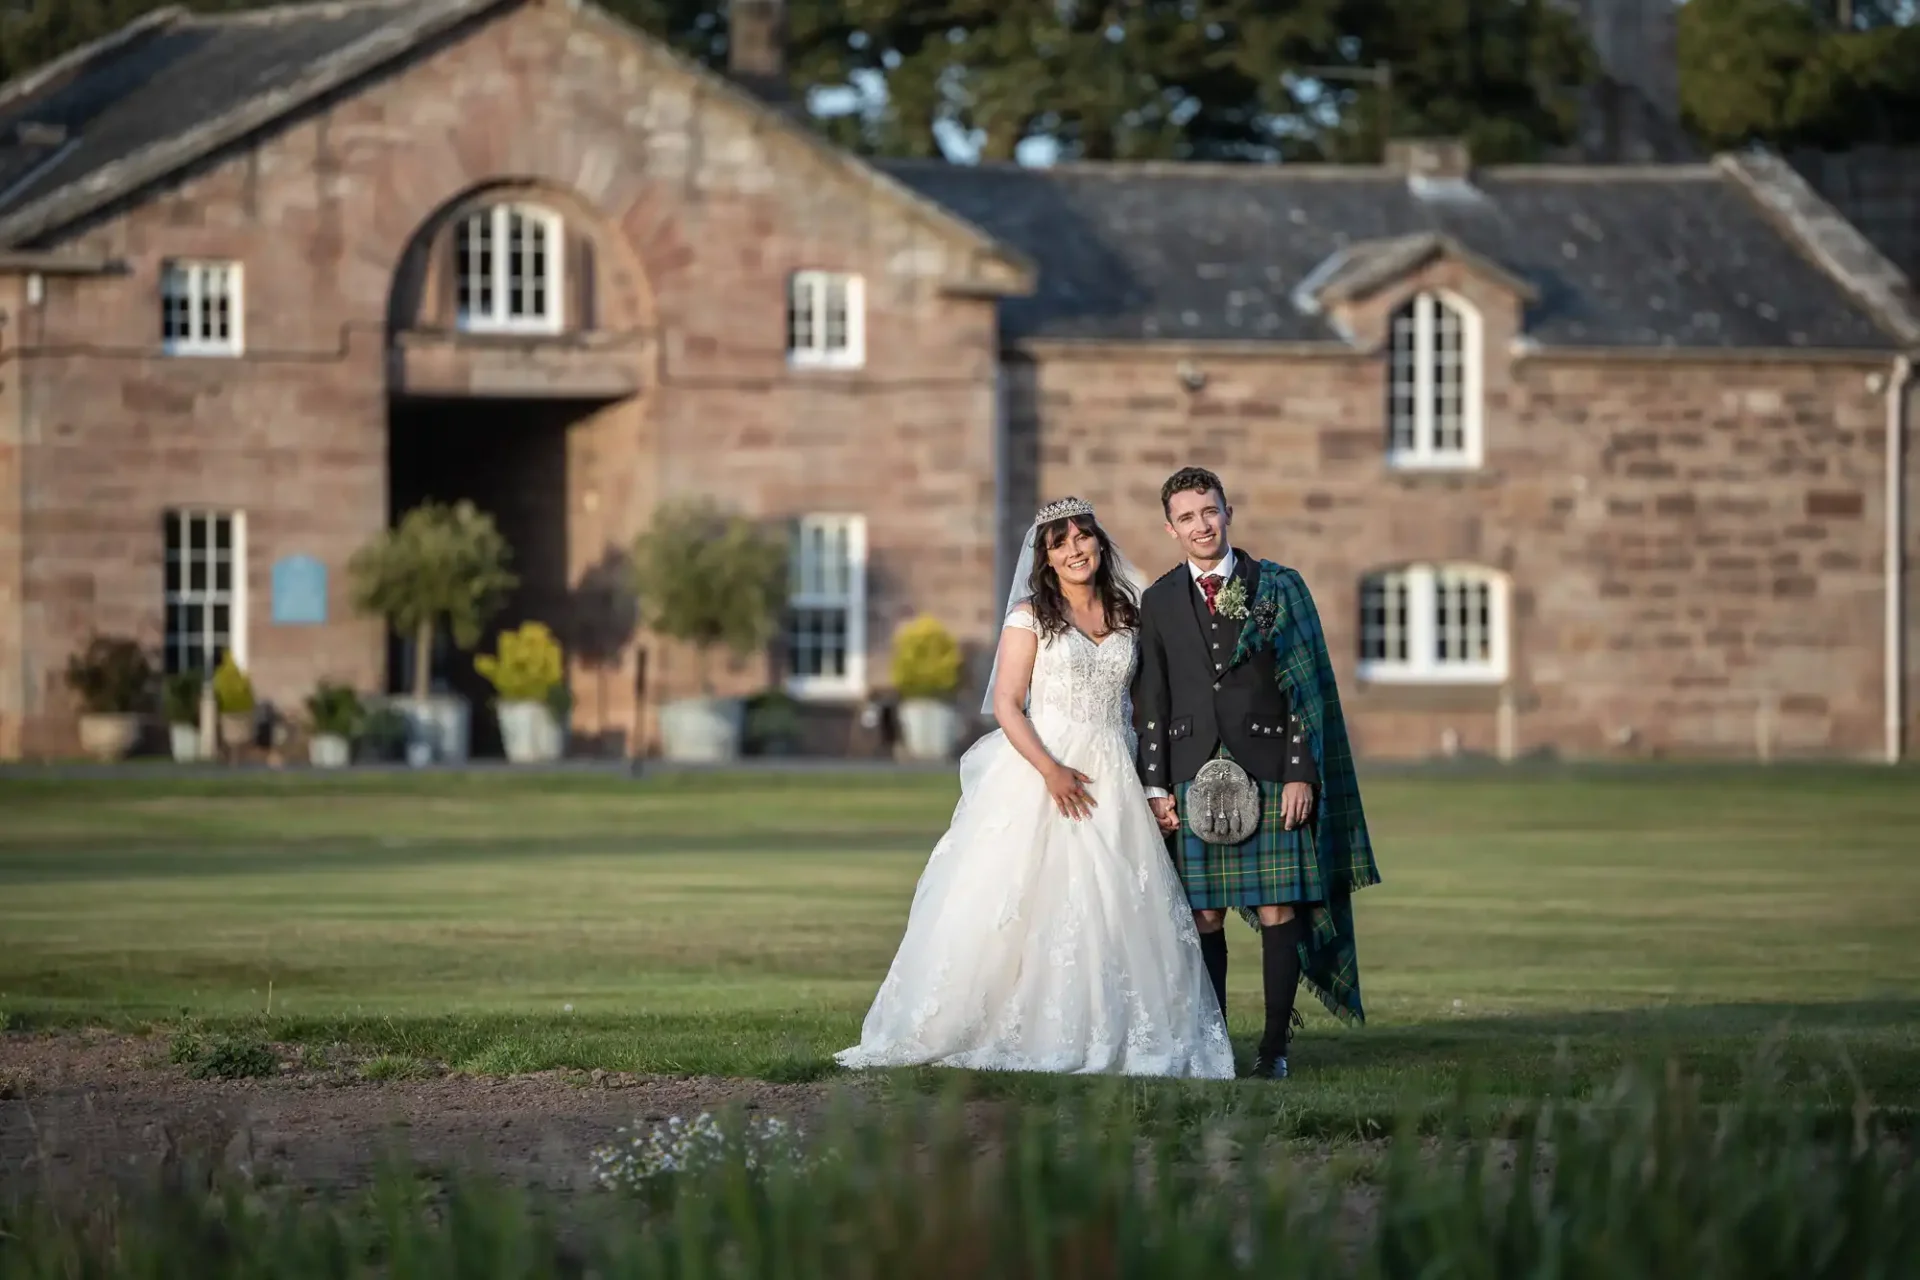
443	564
183	715
526	672
233	694
113	680
334	715
711	580
926	675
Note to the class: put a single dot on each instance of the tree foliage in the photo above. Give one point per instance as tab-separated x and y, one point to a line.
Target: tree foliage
1503	74
710	578
1195	79
1786	74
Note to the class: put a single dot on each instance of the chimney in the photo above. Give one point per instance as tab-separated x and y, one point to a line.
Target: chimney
1632	115
1431	159
757	47
1637	45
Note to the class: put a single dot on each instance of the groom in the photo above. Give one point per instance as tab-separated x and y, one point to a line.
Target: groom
1234	665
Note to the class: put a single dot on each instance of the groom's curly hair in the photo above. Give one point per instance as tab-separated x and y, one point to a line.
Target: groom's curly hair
1190	480
1043	585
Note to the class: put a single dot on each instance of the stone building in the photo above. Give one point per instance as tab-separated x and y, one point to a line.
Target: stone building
1599	460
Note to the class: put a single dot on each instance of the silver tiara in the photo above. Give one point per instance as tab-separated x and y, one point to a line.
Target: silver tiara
1062	508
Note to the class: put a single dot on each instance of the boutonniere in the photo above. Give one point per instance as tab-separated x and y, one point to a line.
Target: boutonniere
1232	600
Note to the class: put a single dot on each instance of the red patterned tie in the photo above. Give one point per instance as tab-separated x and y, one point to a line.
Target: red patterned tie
1210	588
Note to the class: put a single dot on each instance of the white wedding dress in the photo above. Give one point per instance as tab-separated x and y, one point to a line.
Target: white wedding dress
1040	943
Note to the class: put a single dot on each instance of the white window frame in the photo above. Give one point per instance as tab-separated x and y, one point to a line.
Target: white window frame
804	593
497	270
197	284
1422	635
1426	452
205	598
811	296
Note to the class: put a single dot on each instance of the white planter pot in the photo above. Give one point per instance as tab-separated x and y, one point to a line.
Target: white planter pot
441	723
531	733
703	730
184	739
329	751
109	737
928	729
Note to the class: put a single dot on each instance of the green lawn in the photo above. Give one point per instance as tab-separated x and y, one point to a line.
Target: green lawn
739	925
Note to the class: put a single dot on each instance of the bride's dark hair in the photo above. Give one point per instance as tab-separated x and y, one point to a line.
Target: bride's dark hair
1043	584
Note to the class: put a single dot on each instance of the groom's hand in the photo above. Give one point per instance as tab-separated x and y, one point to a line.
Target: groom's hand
1296	801
1165	812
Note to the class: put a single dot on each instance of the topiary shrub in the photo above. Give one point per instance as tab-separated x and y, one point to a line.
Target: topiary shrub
442	564
527	666
232	690
710	579
926	660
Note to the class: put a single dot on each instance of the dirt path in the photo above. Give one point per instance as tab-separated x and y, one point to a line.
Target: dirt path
80	1109
76	1108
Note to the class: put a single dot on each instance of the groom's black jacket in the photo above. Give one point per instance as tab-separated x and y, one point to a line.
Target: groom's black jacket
1189	697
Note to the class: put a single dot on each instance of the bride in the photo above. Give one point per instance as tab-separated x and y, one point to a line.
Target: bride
1049	931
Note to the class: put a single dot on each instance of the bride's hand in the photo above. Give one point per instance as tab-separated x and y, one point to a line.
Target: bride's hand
1067	787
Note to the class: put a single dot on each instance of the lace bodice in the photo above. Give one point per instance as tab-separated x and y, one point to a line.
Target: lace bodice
1078	680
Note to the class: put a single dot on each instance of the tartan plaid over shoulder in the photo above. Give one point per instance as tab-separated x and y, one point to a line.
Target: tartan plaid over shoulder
1283	618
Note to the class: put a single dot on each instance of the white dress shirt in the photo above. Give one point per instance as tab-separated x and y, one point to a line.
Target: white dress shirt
1225	571
1224	568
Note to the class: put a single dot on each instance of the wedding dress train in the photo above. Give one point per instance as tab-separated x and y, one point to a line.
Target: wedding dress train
1039	943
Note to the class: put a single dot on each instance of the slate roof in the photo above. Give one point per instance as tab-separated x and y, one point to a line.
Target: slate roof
1672	257
164	79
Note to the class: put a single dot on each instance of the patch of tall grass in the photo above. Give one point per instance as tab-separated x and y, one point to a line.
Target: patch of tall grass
1642	1180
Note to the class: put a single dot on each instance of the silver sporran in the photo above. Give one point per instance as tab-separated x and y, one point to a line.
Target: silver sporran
1223	804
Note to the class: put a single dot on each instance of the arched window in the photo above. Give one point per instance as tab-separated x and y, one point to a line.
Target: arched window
1433	384
507	270
1435	624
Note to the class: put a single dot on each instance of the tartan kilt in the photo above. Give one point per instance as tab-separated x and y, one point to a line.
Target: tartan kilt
1272	867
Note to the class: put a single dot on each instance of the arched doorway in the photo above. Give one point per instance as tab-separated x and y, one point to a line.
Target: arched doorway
521	353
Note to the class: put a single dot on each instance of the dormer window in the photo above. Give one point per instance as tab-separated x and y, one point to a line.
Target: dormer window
507	268
1433	392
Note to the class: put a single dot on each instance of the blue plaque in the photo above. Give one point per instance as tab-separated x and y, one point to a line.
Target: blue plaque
299	592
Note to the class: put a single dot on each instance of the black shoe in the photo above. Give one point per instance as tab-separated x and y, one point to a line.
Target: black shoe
1265	1068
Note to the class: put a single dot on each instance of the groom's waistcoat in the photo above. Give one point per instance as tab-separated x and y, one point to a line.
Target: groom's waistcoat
1190	697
